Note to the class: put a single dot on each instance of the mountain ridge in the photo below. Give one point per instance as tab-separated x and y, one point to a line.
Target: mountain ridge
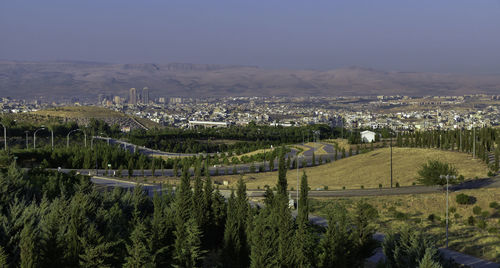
65	79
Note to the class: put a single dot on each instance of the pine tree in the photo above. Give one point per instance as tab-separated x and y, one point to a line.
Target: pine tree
303	210
192	254
28	247
183	208
232	243
198	209
3	258
303	247
429	259
162	227
139	254
96	251
264	242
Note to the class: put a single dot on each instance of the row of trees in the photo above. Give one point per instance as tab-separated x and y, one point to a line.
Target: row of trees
484	143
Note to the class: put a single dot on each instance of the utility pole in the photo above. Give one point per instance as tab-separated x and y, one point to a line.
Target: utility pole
474	143
391	160
297	182
27	132
447	205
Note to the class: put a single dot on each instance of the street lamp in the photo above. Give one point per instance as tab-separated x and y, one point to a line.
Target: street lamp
74	130
4	135
447	181
27	132
34	136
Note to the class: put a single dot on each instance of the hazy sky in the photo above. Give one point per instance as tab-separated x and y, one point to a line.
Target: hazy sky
407	35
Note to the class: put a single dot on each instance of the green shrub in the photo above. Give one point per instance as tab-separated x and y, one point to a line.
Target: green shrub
453	209
397	184
471	220
325	187
431	217
481	224
493	230
431	171
362	187
476	210
464	199
485	214
343	187
380	185
494	204
456	216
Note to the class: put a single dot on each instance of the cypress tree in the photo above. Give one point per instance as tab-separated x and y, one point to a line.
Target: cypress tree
198	212
282	182
313	159
232	243
303	247
183	208
303	213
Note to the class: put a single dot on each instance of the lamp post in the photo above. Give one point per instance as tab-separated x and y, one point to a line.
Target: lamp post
4	135
74	130
447	183
34	136
27	132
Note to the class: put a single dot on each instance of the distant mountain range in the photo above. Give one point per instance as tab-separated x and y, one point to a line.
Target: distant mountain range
65	79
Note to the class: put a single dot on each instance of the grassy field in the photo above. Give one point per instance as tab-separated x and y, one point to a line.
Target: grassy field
395	211
371	169
79	112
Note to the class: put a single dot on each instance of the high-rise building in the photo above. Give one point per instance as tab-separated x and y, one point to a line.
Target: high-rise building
145	95
117	100
132	96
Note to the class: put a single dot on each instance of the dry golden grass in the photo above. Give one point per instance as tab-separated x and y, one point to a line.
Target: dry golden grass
80	111
417	208
371	169
253	153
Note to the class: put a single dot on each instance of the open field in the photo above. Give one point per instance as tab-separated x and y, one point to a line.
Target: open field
80	111
371	169
396	211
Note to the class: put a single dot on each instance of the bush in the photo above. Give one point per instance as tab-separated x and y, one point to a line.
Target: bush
481	224
456	216
431	217
464	199
492	230
431	171
491	174
453	209
471	220
397	184
485	214
362	187
343	187
325	187
476	210
494	204
380	185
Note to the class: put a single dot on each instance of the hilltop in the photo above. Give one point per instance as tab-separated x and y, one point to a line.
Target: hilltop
88	79
83	114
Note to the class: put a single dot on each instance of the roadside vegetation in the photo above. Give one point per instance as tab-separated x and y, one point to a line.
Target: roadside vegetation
474	223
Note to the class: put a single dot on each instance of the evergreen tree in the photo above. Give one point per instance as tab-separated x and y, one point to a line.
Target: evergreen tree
96	251
282	182
264	242
191	254
198	209
162	227
139	253
303	205
28	247
313	159
303	247
3	258
336	247
428	261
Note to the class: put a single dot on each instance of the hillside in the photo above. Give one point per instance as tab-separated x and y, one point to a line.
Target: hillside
83	114
371	169
88	79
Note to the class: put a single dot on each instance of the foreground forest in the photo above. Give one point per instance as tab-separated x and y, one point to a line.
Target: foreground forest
50	219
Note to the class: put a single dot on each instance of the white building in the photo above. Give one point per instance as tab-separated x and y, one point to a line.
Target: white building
367	136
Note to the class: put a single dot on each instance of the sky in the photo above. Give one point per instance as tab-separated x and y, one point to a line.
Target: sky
450	36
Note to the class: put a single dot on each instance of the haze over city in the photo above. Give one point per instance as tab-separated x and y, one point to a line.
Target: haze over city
425	36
